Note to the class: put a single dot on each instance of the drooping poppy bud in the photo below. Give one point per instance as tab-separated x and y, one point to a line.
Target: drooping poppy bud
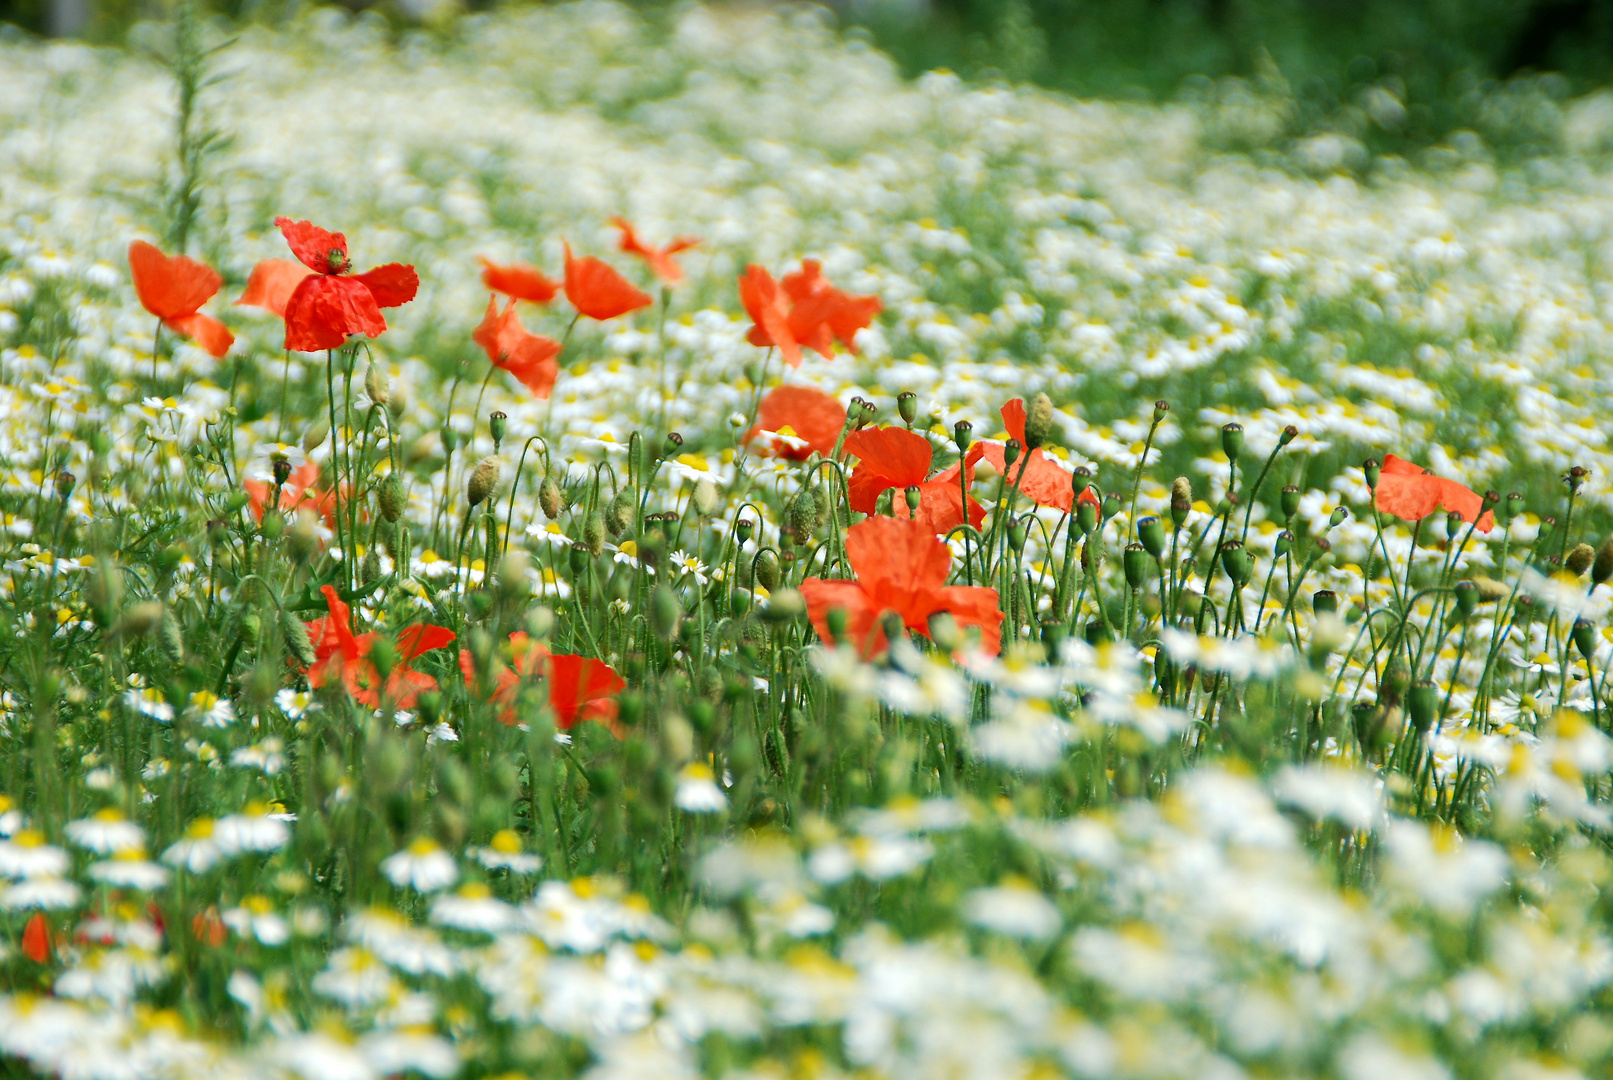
1038	422
313	437
551	499
483	479
593	533
766	568
390	498
377	385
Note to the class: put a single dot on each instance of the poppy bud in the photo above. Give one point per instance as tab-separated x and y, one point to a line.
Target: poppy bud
1181	500
914	495
907	406
1086	517
377	385
1580	558
1151	533
313	437
1080	480
619	513
593	533
784	605
963	435
765	566
1325	602
943	627
1584	634
704	498
753	372
1372	467
1467	598
295	631
743	528
1289	434
1161	407
1285	541
665	611
370	568
1016	535
673	443
1423	705
1135	563
800	516
1602	565
1290	502
1232	441
497	422
280	468
837	620
1011	451
483	479
551	499
389	497
1236	562
1038	422
1097	633
450	439
1337	517
739	601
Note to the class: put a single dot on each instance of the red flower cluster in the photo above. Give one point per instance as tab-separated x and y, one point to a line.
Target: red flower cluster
901	566
580	687
1410	491
1044	481
340	656
802	311
529	357
329	304
894	458
174	289
802	420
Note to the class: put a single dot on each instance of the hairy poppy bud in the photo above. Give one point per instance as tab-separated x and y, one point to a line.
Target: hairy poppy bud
801	516
593	533
1011	451
483	479
1232	441
1423	705
1580	559
620	513
141	619
1325	602
1372	467
551	499
765	566
280	469
1080	480
1161	407
295	632
907	406
390	498
665	611
704	498
1467	598
1135	563
1038	422
674	443
743	528
1181	500
820	508
1290	502
314	436
497	423
914	495
369	569
963	435
1151	534
377	385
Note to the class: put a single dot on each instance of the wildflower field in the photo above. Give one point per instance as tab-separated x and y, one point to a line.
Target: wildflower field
553	544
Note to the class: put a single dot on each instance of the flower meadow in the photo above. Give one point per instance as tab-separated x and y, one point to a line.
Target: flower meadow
556	544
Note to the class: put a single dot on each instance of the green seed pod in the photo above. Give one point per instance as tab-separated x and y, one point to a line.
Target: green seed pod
914	495
963	435
1080	480
1151	534
450	439
1111	506
1290	502
907	406
1509	507
1086	517
551	499
1337	517
497	424
1161	407
1467	598
1053	635
1285	542
390	498
665	611
314	435
1287	435
738	601
1135	561
579	558
743	529
1584	634
1016	535
1011	450
1325	602
672	444
384	655
766	569
593	533
784	605
1580	559
296	635
1602	565
1372	467
1038	422
1423	705
483	480
1394	684
1232	441
838	619
1236	562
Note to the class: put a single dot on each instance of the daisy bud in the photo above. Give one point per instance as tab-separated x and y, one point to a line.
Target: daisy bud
1584	635
390	498
743	528
483	479
497	423
281	470
914	495
665	612
314	436
1580	559
1325	602
1467	598
1290	502
704	498
1232	441
1423	705
1161	407
1372	467
907	406
1151	534
620	513
593	533
1135	562
550	498
1038	422
963	435
296	635
377	385
944	631
673	443
765	566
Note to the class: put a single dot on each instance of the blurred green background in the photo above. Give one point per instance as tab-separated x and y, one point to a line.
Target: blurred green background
1390	75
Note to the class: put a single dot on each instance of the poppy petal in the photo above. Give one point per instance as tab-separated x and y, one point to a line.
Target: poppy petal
760	295
205	331
898	563
392	284
272	283
36	938
519	281
889	457
596	290
421	638
324	309
862	623
940	506
975	605
312	244
813	416
170	287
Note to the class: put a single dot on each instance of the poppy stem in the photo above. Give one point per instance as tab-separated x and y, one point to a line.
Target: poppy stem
1137	480
335	461
285	388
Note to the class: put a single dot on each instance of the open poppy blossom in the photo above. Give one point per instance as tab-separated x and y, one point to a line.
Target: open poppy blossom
893	458
296	493
660	260
799	421
340	656
529	357
1409	491
901	566
598	291
803	311
272	283
174	289
580	687
329	304
518	281
1044	481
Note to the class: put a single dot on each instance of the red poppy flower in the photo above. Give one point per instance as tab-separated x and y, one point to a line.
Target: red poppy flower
802	311
174	289
580	687
1410	491
519	281
36	938
529	357
272	283
802	420
296	493
894	458
342	656
206	928
1045	482
330	304
901	566
598	291
660	260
